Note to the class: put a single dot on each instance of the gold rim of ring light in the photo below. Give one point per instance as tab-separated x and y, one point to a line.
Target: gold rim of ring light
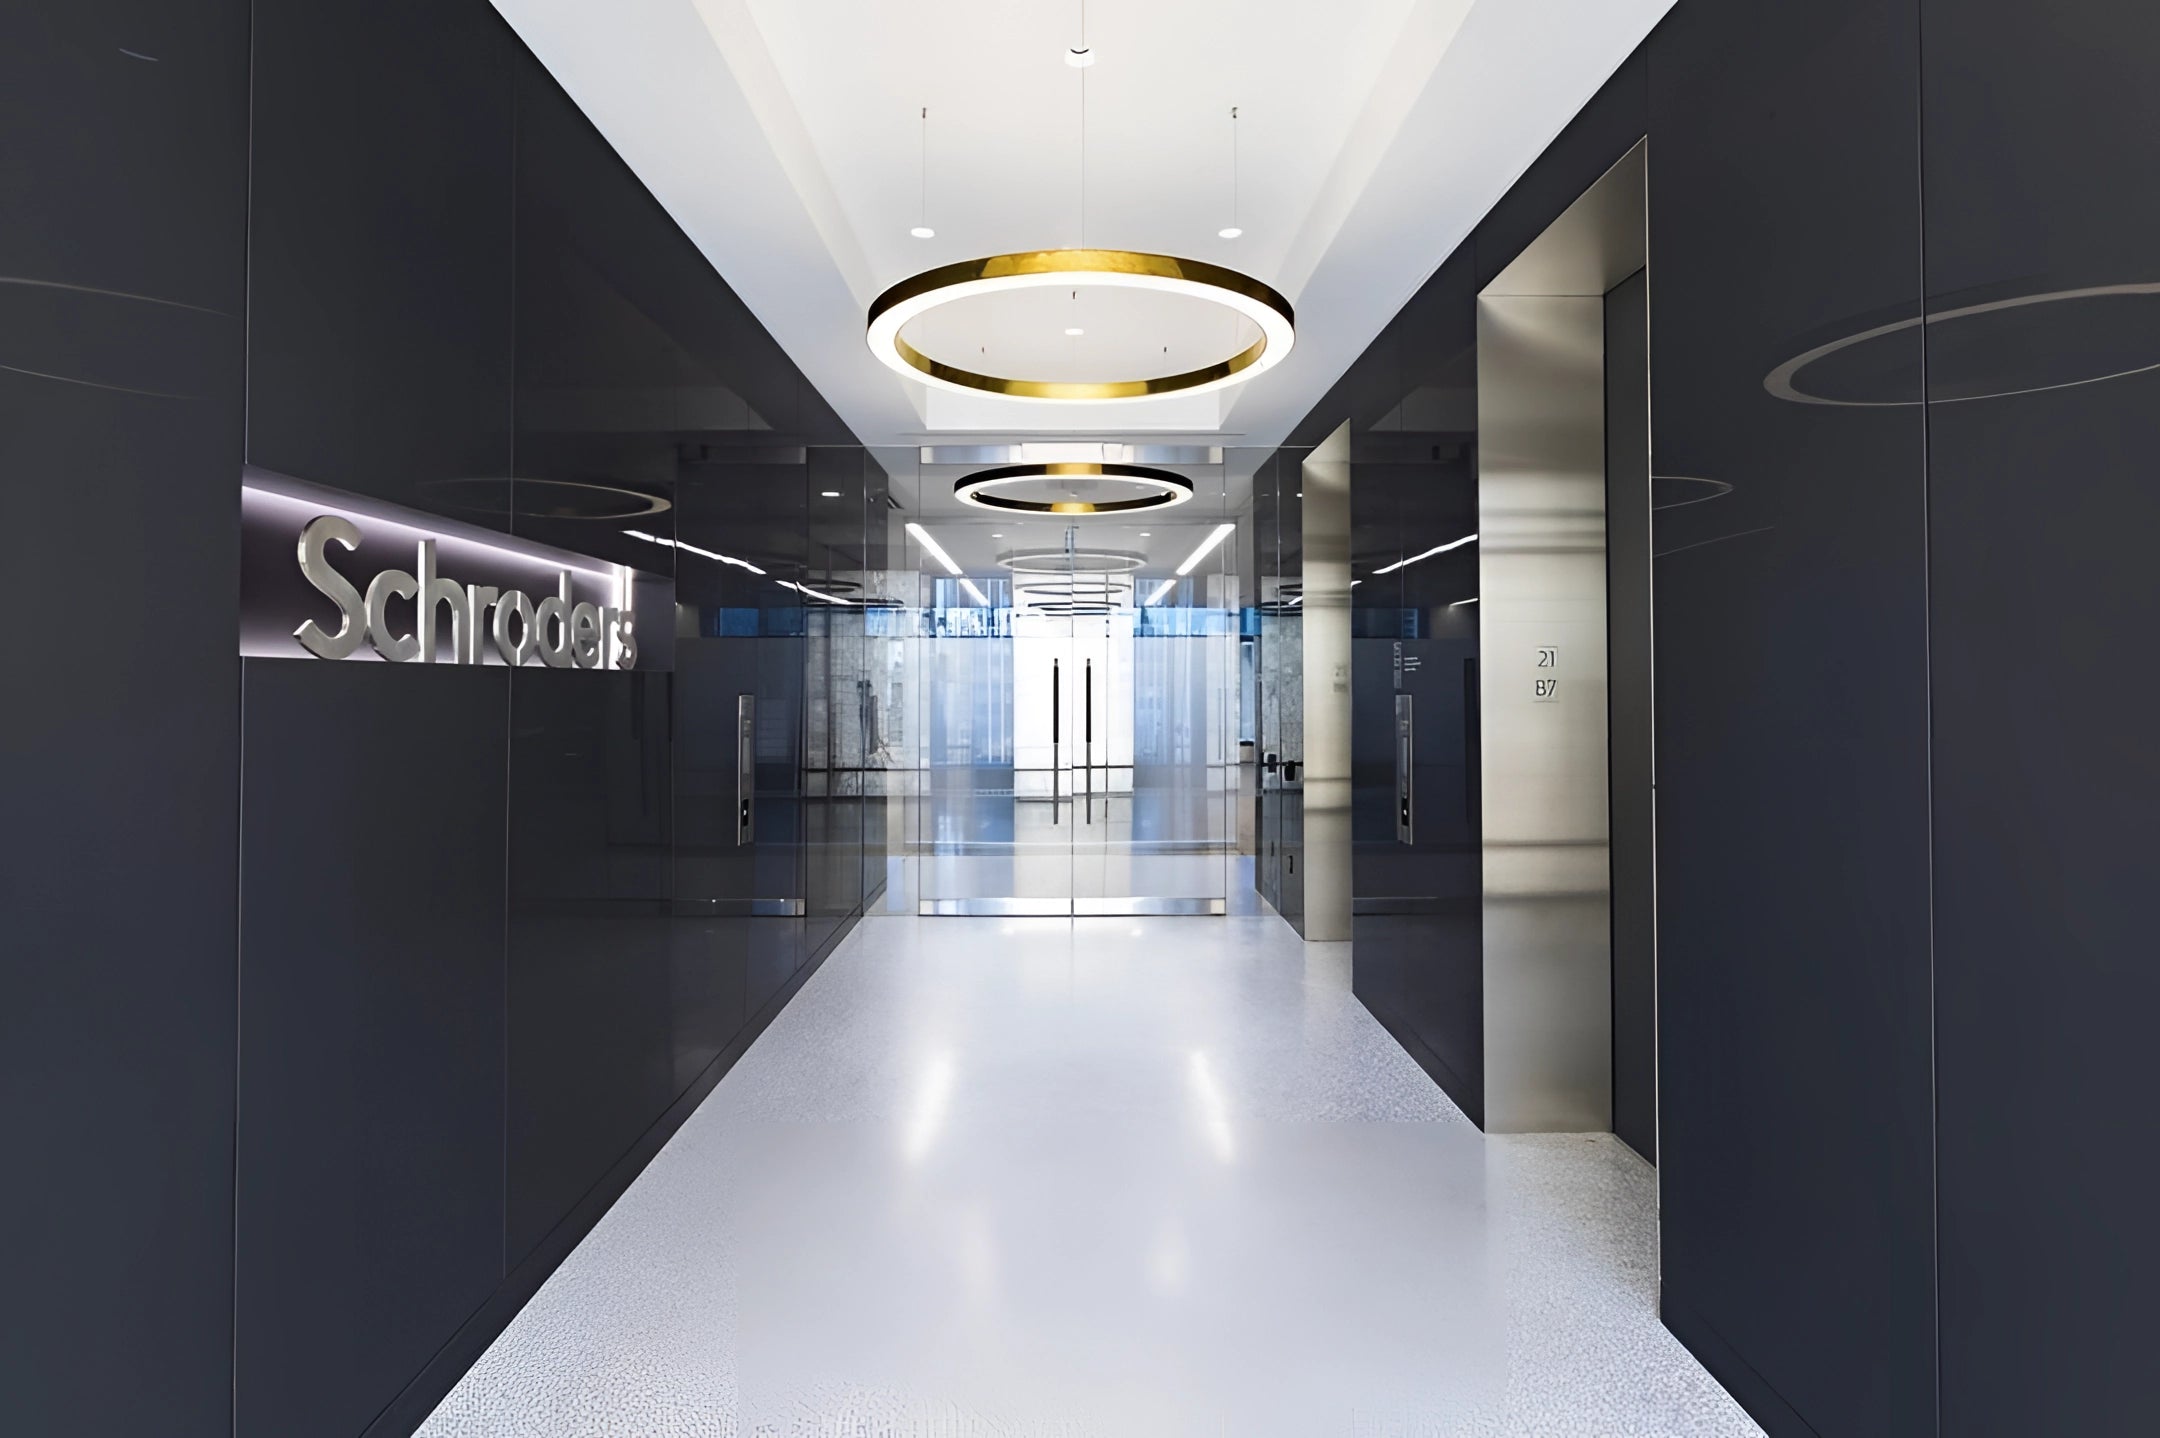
1167	489
1123	269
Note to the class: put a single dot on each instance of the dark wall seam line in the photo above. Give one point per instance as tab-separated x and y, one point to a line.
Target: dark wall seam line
239	976
1927	642
247	348
517	89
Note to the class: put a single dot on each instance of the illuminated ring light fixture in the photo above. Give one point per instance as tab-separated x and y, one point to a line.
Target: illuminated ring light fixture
1165	489
1072	270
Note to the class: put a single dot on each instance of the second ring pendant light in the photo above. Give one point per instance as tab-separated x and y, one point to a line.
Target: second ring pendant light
1158	488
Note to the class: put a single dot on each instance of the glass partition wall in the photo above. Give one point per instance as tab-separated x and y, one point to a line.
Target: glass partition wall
1069	745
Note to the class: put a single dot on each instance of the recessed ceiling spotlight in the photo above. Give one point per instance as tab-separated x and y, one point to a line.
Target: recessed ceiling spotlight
1075	330
1229	232
923	232
1080	57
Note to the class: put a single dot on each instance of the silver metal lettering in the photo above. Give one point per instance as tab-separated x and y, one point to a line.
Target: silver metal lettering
563	631
379	591
477	599
515	605
585	635
434	590
321	531
551	623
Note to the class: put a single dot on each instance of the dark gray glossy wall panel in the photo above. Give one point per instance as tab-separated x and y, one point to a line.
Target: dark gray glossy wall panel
380	288
1629	731
371	1031
317	1098
2042	129
749	641
1412	404
1791	689
371	1133
1279	564
121	288
833	654
608	1010
556	359
606	1019
1792	656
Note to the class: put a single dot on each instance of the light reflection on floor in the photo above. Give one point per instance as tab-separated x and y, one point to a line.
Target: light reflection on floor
1108	1179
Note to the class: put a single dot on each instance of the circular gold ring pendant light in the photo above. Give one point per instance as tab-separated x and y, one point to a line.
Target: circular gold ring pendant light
1082	269
1164	489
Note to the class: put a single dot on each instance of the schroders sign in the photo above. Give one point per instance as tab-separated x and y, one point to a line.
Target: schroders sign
559	630
328	574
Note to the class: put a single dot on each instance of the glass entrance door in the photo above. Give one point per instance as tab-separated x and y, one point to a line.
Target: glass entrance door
1080	754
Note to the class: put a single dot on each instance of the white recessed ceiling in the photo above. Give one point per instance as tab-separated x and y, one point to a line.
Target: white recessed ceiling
785	136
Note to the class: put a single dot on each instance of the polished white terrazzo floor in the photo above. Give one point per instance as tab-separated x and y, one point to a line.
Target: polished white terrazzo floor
1103	1179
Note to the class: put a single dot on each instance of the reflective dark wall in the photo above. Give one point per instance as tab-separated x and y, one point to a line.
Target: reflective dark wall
1901	768
1412	405
1792	654
1630	702
122	285
2041	125
346	996
370	1168
1279	570
373	844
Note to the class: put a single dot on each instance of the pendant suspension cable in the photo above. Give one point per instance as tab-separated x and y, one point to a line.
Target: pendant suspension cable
1231	231
922	230
1083	50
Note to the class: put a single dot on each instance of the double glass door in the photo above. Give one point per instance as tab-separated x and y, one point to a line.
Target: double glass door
1081	752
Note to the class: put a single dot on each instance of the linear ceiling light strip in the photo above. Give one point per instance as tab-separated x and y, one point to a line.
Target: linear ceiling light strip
932	548
813	593
1436	549
937	551
1207	547
693	549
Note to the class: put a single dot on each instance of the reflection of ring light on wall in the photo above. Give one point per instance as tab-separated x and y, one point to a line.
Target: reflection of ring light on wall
1164	489
563	498
1680	490
1784	381
1107	587
1243	295
1075	561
